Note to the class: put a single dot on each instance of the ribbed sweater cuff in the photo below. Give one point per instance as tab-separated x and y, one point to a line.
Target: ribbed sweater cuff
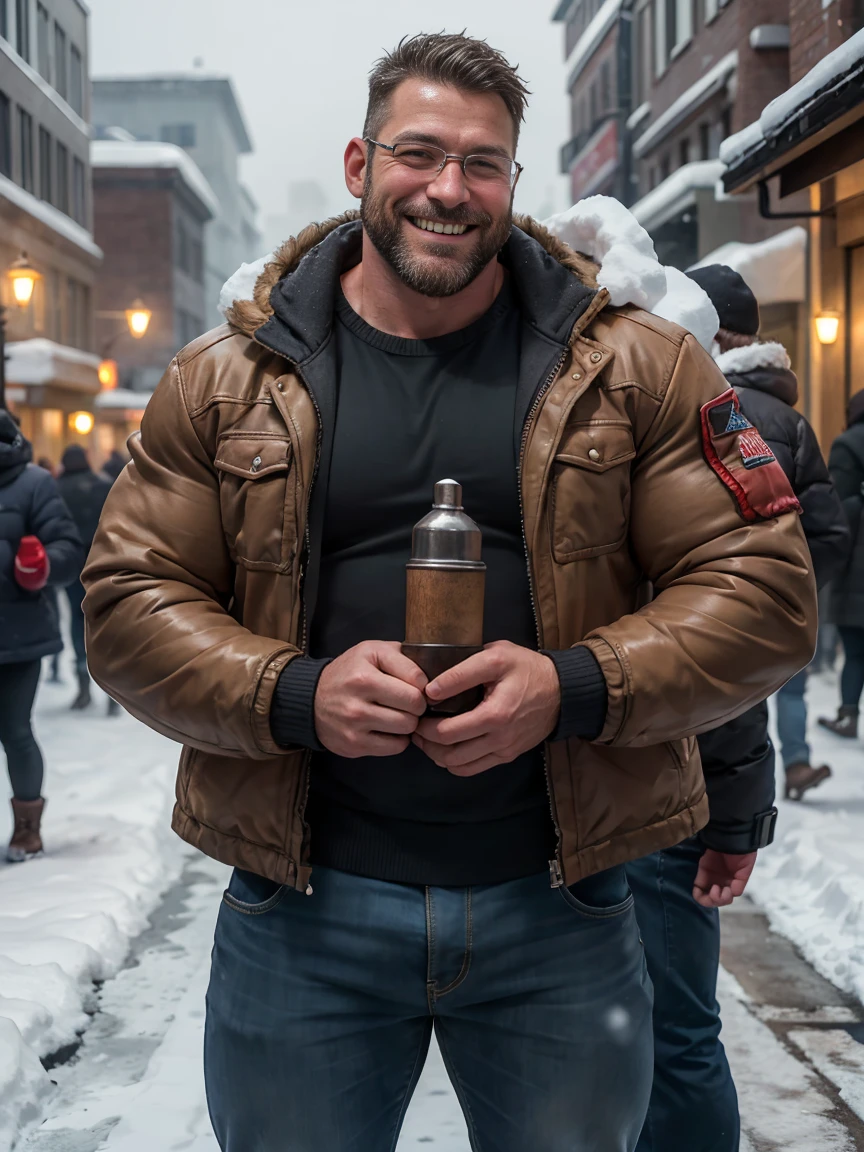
584	696
292	712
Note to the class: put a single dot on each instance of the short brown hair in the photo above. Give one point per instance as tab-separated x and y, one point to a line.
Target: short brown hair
457	60
727	339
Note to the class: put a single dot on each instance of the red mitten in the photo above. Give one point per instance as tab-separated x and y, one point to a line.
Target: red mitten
32	565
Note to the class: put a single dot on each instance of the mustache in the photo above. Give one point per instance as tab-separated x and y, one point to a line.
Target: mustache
429	209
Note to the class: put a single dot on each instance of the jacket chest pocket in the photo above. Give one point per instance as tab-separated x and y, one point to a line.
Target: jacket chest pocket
590	497
256	493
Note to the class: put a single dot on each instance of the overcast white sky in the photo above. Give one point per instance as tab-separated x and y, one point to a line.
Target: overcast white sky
300	69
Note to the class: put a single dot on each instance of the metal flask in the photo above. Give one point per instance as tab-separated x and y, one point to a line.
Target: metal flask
446	584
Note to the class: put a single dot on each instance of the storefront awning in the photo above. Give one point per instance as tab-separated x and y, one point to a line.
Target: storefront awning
807	134
773	269
39	363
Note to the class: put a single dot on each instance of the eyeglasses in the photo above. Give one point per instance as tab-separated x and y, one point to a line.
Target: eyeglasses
486	168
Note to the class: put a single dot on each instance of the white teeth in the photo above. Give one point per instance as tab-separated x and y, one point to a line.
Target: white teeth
446	229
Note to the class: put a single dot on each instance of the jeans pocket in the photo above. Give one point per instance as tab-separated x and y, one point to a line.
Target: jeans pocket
251	894
600	897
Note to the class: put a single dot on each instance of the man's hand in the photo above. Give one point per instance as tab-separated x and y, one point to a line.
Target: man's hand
368	700
721	877
523	699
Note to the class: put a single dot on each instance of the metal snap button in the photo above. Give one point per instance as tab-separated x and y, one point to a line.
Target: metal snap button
596	357
577	375
280	385
593	454
256	464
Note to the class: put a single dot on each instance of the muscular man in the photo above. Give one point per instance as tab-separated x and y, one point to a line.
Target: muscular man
395	872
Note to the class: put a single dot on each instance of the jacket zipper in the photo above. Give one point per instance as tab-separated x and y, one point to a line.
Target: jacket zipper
556	874
304	638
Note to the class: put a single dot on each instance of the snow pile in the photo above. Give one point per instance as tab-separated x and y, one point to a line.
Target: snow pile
609	233
241	285
774	269
155	154
809	880
66	919
49	215
839	67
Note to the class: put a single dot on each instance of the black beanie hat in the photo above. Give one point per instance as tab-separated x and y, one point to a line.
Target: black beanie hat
735	303
74	459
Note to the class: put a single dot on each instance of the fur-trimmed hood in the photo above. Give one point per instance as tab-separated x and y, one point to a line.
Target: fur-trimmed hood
248	315
766	367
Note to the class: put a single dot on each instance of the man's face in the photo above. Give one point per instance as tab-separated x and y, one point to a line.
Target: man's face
396	198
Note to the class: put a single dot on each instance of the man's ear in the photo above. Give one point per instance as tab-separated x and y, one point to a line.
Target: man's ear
355	167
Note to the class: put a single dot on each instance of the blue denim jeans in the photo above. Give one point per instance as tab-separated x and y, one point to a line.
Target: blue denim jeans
320	1010
792	721
694	1105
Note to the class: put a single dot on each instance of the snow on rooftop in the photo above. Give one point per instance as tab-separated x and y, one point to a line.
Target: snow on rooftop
676	192
830	72
154	154
53	217
591	39
774	269
687	102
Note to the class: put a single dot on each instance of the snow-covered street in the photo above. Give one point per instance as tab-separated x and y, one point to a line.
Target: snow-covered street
111	932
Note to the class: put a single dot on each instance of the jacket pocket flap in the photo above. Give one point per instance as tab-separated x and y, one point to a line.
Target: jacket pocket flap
253	456
597	447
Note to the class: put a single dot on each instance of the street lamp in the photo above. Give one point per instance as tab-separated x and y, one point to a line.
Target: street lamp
138	319
827	327
23	278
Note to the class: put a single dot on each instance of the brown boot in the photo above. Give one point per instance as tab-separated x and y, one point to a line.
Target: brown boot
26	841
800	778
846	723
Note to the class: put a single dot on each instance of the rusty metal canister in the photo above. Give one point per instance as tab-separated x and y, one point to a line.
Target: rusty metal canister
446	583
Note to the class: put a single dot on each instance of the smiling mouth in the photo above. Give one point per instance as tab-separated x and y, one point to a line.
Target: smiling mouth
440	229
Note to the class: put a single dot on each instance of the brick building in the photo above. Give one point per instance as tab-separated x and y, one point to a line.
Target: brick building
46	213
810	144
151	205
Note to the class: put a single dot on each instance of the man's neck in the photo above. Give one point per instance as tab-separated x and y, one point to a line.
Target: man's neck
377	294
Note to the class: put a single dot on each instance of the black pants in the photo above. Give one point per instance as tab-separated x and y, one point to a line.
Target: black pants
852	676
18	684
75	595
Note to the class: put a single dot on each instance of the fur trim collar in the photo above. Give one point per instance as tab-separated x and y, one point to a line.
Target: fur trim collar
249	315
751	357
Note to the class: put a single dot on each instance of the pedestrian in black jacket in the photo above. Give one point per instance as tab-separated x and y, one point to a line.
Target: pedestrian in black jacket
84	492
30	507
694	1105
846	464
768	390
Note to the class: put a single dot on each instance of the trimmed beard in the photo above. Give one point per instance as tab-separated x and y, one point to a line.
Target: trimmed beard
442	272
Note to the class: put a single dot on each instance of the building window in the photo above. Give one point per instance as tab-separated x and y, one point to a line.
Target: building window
661	48
22	28
45	153
79	200
197	261
62	190
684	152
77	307
683	23
5	134
605	86
43	33
60	73
181	134
725	123
704	141
76	81
665	167
710	9
25	135
4	21
673	28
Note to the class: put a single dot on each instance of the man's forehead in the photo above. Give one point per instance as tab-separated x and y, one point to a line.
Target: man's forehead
435	113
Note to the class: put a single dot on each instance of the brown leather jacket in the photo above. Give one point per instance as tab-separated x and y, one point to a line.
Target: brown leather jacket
195	582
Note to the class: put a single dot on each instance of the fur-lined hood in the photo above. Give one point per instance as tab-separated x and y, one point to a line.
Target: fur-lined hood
248	315
766	367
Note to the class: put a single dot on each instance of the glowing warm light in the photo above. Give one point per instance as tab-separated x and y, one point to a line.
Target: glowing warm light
827	327
23	277
81	422
108	375
138	319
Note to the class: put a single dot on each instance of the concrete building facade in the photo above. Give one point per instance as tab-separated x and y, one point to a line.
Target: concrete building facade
46	213
200	114
151	207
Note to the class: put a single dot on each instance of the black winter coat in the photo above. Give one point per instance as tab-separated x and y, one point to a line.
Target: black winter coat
768	389
30	505
84	492
738	757
846	463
